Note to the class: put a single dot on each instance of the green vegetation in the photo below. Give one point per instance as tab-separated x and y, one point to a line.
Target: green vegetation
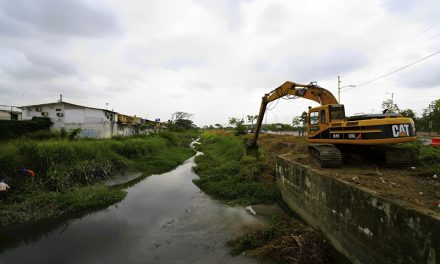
226	173
238	126
284	240
16	128
426	157
67	171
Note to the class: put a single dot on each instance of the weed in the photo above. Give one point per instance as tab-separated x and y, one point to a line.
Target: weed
226	173
284	240
63	167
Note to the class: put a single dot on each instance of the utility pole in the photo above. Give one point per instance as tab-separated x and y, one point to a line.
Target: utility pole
339	89
392	99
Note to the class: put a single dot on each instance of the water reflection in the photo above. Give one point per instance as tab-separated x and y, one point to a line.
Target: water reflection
164	219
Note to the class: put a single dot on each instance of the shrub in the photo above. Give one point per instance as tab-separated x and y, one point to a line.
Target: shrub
17	128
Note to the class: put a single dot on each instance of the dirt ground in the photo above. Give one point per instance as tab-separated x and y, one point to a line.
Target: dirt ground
409	187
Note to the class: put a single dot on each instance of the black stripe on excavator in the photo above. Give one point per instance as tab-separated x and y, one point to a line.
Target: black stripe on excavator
388	131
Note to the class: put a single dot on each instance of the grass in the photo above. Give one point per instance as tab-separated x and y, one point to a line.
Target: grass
68	172
424	156
227	174
285	240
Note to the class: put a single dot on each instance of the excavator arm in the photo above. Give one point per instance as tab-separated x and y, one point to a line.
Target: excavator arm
309	91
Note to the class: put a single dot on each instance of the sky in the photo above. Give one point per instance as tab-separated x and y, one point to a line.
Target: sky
217	58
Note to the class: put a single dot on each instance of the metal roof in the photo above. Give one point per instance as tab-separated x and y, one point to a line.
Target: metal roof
27	106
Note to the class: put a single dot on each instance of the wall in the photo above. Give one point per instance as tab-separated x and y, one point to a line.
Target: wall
94	123
5	115
363	227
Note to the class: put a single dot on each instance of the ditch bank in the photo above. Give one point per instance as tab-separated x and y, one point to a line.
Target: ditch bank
365	227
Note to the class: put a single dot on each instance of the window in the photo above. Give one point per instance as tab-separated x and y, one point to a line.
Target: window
322	116
314	118
337	112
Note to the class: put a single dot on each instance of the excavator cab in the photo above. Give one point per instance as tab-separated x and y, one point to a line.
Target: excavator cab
321	118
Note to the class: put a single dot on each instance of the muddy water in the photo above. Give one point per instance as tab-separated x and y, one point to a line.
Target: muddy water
164	219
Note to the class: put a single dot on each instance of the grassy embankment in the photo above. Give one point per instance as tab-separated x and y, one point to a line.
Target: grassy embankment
228	174
68	172
427	158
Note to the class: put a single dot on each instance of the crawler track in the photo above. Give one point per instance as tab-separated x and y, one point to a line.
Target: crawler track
327	155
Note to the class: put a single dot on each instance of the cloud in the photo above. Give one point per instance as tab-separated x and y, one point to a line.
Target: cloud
34	65
316	66
61	17
211	58
425	75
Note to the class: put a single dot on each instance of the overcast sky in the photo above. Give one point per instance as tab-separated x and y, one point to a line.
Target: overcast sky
216	59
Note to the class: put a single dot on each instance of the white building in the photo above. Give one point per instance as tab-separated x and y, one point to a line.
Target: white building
93	122
8	112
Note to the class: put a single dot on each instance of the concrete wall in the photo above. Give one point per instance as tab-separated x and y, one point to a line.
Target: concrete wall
5	115
363	227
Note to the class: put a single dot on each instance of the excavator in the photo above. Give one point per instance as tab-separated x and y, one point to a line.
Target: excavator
332	137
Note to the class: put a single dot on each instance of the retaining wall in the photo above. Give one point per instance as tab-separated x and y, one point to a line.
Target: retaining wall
363	227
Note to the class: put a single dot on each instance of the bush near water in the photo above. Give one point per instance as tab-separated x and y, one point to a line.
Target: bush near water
228	174
64	169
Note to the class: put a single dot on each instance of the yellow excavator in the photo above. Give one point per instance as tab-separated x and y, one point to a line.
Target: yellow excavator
332	136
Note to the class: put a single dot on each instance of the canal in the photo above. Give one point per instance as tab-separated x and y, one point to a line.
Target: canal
164	219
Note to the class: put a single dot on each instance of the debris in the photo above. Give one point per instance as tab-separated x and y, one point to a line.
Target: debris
250	209
377	171
413	168
29	172
421	193
3	186
382	180
435	176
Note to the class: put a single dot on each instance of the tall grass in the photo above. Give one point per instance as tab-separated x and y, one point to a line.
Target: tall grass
64	168
228	174
428	157
61	164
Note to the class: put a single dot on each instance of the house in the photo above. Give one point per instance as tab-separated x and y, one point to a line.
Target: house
150	126
93	122
8	112
128	125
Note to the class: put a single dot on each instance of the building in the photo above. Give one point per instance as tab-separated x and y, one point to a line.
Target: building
128	125
8	112
150	126
93	122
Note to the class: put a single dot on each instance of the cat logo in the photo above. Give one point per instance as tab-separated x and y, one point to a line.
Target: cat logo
400	130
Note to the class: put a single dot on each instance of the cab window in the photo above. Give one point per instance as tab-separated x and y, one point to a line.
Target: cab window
337	113
322	116
314	118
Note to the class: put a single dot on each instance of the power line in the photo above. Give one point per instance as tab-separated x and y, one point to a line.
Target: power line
392	72
410	41
421	33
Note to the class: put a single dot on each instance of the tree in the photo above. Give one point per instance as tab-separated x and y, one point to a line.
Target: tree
432	114
181	115
180	121
218	126
251	119
239	128
300	121
408	113
296	122
390	105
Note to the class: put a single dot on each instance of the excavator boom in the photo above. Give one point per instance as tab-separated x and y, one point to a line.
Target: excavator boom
309	91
